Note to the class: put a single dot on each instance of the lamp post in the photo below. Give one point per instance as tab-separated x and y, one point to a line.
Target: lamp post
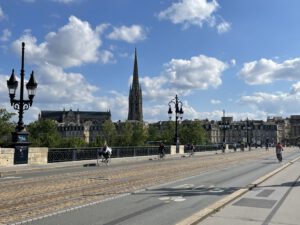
178	115
20	136
224	125
248	128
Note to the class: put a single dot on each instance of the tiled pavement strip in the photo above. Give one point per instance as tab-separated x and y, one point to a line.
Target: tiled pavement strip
270	200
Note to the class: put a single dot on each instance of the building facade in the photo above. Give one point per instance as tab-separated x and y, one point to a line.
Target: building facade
135	106
79	124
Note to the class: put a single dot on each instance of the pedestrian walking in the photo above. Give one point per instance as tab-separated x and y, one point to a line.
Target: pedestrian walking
161	150
192	149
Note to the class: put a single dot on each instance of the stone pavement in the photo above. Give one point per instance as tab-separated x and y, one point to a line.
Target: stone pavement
272	200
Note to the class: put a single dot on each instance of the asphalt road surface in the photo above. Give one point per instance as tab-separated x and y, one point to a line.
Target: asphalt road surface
170	202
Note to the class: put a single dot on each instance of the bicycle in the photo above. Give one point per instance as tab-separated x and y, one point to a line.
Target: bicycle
102	159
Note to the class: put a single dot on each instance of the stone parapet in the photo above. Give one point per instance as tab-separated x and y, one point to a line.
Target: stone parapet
173	149
37	155
7	156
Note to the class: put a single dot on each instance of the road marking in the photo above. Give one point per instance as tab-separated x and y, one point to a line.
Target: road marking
173	198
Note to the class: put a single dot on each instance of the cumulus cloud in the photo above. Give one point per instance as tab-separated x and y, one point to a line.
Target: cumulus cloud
266	71
199	72
195	12
5	35
72	45
183	76
278	103
131	34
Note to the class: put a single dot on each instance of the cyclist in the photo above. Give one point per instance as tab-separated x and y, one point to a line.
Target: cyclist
105	153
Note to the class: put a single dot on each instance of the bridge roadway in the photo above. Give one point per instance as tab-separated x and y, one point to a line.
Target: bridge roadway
150	192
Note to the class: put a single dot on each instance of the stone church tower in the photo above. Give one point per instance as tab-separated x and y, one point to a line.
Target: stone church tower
135	110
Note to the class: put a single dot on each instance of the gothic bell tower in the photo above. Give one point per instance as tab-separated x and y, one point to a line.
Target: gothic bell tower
135	109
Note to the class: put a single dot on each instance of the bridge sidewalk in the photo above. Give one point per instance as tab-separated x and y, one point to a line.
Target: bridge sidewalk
273	202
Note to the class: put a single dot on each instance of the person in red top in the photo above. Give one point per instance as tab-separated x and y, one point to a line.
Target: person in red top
279	150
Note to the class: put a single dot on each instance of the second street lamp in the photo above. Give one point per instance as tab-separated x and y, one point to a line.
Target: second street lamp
178	115
224	125
20	136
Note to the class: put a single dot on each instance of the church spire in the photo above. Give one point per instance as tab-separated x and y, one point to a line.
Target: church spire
135	79
135	111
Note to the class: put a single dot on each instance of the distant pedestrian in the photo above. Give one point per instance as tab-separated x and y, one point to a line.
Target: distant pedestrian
279	150
161	150
192	149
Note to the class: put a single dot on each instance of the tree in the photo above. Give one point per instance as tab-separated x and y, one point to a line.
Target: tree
6	127
168	133
43	133
125	134
192	132
72	142
109	132
139	134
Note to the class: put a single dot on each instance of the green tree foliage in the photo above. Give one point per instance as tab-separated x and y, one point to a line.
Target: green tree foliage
139	134
6	127
43	133
125	134
168	132
109	132
192	132
72	142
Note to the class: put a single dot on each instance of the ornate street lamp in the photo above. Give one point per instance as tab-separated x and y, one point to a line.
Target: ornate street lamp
224	125
178	115
248	128
20	136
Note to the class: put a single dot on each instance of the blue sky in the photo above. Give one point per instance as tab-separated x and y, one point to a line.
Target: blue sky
239	56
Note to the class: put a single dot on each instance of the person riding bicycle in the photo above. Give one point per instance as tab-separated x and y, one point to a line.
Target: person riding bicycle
106	152
279	150
161	150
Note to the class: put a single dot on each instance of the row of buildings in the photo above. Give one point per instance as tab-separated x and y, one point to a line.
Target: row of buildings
88	125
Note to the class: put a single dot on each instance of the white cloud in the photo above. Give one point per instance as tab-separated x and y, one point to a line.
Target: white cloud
106	57
200	72
131	34
182	77
278	103
223	27
215	101
72	45
266	71
5	35
195	12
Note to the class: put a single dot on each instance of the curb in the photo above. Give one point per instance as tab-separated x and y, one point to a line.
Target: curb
202	214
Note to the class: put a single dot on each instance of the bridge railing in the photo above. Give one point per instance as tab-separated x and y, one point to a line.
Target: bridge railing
74	154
